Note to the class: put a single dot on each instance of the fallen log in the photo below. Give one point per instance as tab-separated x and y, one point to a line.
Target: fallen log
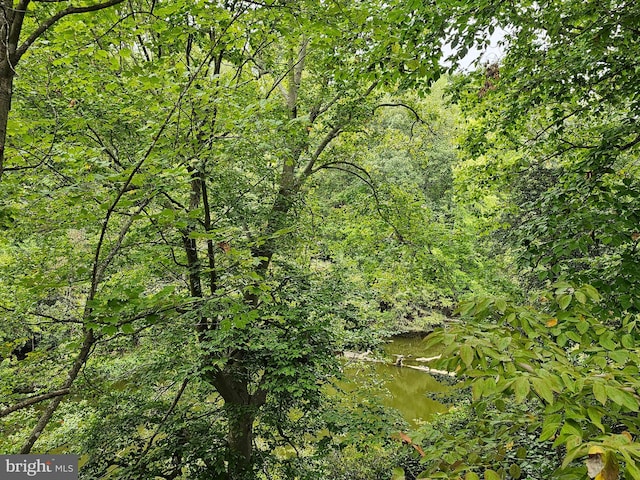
432	371
428	359
398	362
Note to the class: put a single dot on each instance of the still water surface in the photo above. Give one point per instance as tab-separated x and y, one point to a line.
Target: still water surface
404	389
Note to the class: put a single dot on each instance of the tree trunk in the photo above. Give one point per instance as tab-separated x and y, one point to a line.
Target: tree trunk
6	86
240	440
241	408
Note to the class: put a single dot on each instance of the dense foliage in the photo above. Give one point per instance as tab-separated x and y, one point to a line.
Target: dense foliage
204	203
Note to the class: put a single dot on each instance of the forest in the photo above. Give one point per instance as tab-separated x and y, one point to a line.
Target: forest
213	212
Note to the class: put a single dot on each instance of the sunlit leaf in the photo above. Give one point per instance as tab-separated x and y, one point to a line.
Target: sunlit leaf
397	474
521	389
599	392
467	354
564	301
491	475
543	388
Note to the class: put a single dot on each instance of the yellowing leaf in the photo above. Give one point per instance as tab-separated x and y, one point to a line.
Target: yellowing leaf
471	476
611	467
595	450
552	322
628	435
601	464
595	465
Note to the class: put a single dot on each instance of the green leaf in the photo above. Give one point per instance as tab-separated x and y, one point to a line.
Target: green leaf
622	398
501	305
550	426
127	328
564	301
632	467
573	453
606	340
476	389
596	418
521	388
619	356
580	297
109	329
627	341
491	475
397	474
561	287
543	388
482	305
583	326
467	354
465	307
591	292
599	392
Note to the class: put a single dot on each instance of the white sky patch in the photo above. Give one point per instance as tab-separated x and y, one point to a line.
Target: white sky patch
492	53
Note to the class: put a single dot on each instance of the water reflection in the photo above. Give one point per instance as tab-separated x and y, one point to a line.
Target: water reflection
404	389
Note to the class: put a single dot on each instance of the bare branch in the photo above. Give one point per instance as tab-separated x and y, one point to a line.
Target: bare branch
266	5
318	110
174	404
116	248
16	28
32	401
87	345
629	145
364	176
293	67
308	169
412	110
555	123
98	139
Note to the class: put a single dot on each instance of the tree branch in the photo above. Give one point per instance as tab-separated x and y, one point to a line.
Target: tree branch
302	55
308	169
32	401
16	28
411	109
174	404
364	176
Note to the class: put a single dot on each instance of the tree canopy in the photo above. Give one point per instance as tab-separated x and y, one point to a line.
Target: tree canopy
204	203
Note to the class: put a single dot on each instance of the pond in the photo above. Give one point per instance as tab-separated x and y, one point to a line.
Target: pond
403	389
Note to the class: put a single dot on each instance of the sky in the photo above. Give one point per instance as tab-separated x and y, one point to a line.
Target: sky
493	53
